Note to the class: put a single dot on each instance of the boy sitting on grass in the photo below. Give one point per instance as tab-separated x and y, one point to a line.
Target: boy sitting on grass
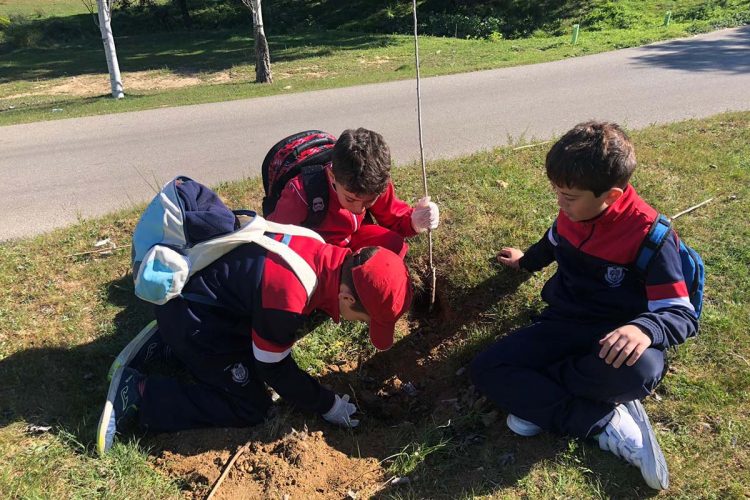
235	323
359	182
599	347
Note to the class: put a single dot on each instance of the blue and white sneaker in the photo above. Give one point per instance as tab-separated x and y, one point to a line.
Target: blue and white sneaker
147	347
522	427
121	406
629	436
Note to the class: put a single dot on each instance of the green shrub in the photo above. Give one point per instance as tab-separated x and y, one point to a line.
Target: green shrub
20	32
610	15
460	25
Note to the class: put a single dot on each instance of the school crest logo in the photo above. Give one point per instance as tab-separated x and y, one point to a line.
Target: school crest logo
318	204
239	373
614	276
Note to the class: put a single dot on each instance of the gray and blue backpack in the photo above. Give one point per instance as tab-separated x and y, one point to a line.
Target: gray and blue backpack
186	227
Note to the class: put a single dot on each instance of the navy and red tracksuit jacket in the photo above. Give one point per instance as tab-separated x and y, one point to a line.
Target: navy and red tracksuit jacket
259	295
596	280
339	223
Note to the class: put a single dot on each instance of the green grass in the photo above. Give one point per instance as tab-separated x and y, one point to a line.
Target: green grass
63	319
42	9
37	83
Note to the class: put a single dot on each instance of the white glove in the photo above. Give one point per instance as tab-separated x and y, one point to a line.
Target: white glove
341	412
425	215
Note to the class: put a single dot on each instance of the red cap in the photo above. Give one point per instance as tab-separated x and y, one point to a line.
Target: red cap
384	288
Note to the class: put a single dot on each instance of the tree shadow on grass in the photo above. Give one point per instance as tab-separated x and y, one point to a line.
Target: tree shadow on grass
184	53
66	387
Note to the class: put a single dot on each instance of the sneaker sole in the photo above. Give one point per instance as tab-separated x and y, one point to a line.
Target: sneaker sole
638	412
115	375
129	351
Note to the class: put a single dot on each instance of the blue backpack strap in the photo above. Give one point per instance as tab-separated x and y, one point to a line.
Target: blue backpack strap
653	242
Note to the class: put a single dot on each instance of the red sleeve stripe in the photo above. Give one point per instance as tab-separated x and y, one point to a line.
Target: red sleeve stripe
265	345
667	291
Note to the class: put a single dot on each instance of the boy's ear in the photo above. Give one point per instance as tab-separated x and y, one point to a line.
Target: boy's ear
613	195
346	295
329	173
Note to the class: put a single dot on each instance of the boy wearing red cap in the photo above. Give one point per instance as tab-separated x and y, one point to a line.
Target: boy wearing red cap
359	183
240	338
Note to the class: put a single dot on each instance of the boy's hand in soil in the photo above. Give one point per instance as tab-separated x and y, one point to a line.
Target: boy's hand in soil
510	257
626	343
341	412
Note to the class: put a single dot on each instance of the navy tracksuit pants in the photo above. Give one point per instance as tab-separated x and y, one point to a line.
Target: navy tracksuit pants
226	393
550	373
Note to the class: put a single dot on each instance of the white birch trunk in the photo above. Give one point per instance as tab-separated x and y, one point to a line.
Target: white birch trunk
262	54
104	8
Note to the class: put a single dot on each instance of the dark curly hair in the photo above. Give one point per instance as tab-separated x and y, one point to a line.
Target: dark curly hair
362	162
594	156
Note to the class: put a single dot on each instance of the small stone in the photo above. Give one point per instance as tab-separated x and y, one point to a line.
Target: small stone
397	481
460	371
506	459
88	376
350	495
409	389
38	429
501	184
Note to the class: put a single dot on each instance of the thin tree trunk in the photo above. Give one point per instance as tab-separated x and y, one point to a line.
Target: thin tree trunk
262	54
105	26
262	58
186	19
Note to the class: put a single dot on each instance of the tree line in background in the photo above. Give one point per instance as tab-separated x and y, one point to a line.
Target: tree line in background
491	19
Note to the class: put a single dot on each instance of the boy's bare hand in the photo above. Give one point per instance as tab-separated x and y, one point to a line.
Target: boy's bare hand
510	257
627	342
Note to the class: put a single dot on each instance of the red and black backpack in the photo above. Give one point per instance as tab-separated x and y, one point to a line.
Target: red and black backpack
305	153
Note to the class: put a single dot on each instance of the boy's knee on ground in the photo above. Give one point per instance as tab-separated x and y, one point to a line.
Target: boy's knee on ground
637	381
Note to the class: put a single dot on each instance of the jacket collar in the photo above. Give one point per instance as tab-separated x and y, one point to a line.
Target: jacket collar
624	205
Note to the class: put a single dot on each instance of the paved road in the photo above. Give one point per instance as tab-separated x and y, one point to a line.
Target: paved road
54	172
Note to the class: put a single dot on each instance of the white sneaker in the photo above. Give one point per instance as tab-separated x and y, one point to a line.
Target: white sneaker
522	427
629	436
